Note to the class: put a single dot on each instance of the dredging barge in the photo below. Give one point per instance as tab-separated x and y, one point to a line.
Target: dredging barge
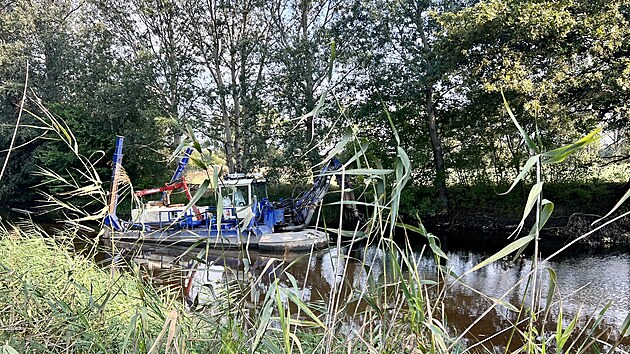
243	217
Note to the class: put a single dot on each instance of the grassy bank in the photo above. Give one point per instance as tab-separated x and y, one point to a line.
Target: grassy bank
54	299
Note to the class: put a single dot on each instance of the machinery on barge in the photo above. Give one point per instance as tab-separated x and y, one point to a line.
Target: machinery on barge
242	217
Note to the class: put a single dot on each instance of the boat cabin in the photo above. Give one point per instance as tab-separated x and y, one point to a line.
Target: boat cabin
241	190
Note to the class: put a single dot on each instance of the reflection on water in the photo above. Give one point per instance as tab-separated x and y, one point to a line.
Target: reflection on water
586	282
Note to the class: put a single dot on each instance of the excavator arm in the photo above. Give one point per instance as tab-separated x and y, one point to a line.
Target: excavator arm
177	181
302	209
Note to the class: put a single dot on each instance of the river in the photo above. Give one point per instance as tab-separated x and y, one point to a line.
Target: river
587	281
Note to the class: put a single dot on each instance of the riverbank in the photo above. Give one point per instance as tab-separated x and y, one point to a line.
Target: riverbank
477	213
559	231
480	213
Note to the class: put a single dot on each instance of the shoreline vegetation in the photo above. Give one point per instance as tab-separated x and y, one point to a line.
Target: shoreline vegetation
66	302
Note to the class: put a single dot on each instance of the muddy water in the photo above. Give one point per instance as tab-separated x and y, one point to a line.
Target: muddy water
586	282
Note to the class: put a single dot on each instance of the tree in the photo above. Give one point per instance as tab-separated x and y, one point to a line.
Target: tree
78	74
156	31
562	64
302	49
26	32
230	41
397	49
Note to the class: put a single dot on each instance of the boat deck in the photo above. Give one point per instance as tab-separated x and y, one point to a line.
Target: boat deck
280	241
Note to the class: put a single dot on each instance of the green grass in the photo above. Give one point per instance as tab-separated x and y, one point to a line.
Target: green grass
54	299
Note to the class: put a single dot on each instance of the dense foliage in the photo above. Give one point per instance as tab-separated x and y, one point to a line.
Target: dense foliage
245	75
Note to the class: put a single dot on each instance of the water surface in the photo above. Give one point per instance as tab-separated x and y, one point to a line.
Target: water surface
586	281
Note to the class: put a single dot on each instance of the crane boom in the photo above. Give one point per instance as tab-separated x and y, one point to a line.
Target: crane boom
177	181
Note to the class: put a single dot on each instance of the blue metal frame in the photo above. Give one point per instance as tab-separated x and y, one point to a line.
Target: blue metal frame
179	171
182	165
111	219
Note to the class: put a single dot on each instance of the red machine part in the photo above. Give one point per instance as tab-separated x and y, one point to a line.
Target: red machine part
169	188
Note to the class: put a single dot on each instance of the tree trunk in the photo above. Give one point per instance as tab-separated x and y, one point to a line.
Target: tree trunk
238	167
309	83
436	144
227	125
229	153
172	79
217	74
438	154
